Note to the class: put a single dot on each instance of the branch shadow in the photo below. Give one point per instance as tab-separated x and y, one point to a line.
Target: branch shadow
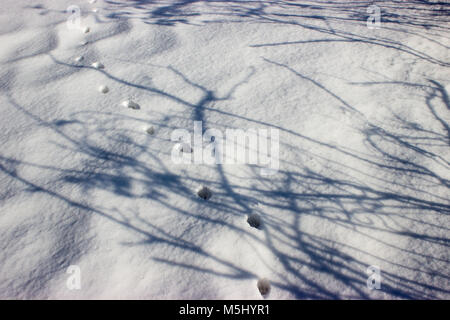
312	266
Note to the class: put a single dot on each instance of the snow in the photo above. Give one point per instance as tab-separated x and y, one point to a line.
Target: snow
87	179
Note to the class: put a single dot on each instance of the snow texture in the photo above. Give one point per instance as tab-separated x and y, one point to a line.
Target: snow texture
362	114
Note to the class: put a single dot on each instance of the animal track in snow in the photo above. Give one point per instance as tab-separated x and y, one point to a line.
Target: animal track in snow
103	89
263	286
183	147
150	130
86	29
130	104
204	193
254	220
79	59
98	65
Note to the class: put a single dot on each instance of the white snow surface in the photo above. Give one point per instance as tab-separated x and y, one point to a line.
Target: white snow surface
363	117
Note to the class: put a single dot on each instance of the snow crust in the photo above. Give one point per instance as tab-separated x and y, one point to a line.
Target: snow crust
363	117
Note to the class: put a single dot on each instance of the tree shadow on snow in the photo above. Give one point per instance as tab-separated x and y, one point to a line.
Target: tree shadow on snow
391	202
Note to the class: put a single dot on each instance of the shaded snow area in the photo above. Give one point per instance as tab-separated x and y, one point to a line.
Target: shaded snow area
93	204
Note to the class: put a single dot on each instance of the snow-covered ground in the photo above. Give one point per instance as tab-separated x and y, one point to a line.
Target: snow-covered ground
363	120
